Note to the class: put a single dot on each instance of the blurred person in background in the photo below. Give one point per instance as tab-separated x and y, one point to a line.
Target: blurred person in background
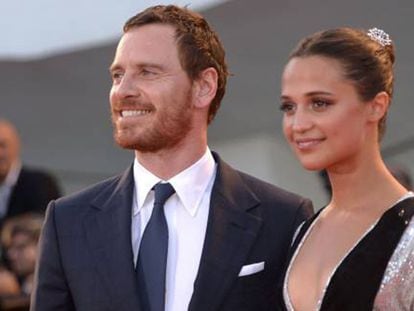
11	298
20	236
22	189
8	283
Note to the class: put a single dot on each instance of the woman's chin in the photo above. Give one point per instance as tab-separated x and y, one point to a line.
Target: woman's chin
313	166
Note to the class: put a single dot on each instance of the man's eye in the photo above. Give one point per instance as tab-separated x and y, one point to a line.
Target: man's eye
116	76
146	72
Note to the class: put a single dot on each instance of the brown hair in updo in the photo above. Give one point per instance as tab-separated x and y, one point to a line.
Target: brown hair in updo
367	63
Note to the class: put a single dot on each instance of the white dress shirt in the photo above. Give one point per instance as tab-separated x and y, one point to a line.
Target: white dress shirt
186	212
7	186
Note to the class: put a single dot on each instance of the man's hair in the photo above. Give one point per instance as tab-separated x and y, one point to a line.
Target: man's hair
198	44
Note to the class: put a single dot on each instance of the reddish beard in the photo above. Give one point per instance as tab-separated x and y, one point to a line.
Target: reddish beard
168	126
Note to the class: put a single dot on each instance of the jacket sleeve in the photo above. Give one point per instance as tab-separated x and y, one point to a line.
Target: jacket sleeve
51	291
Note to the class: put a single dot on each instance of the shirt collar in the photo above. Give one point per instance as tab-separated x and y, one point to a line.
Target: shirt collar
13	174
198	175
144	180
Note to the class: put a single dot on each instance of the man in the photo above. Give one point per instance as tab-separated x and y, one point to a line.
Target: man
227	233
22	189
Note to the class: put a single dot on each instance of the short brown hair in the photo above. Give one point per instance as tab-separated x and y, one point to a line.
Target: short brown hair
366	63
198	44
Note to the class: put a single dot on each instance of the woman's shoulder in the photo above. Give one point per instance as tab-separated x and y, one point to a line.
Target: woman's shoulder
396	287
401	212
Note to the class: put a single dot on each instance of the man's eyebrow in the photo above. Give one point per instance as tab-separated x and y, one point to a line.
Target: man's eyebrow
115	67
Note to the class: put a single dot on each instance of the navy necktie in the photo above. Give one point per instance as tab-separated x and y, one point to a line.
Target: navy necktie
152	258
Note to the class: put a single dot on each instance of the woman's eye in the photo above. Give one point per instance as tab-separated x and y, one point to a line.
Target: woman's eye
287	107
320	104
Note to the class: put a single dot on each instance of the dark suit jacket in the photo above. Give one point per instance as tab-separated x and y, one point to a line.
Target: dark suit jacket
86	260
33	191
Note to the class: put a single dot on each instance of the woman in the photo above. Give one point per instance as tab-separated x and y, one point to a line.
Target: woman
357	253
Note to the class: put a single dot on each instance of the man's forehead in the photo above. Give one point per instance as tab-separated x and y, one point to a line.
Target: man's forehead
147	34
149	44
7	133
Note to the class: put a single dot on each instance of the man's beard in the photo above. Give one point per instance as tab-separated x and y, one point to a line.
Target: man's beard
169	127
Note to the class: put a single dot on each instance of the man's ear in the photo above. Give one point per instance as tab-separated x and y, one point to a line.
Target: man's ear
205	87
378	106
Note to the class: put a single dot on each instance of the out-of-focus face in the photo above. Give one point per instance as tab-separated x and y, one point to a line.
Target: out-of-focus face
151	94
325	121
8	283
9	148
22	253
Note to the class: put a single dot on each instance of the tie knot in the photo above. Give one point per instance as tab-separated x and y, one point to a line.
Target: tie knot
162	192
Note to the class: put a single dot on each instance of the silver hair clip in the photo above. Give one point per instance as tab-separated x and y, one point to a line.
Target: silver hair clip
380	36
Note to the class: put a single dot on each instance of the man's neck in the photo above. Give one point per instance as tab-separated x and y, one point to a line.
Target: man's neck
165	164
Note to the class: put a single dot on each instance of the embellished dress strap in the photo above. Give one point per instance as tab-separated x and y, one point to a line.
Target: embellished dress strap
301	231
296	243
357	281
396	290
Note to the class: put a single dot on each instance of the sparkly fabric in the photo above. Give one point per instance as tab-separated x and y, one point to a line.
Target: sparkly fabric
397	287
377	273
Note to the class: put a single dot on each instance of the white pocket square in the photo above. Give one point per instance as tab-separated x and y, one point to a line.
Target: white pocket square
251	269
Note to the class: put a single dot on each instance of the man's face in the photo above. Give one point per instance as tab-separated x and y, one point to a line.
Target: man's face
22	254
9	149
151	95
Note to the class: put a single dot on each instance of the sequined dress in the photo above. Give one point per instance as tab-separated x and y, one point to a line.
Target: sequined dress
377	273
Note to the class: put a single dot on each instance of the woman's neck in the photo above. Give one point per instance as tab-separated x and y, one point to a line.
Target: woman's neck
368	185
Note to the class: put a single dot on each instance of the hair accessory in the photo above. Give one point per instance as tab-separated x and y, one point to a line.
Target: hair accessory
380	36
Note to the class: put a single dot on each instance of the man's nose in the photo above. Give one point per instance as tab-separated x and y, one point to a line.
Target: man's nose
127	87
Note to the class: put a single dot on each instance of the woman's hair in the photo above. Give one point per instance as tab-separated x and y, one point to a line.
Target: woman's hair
367	59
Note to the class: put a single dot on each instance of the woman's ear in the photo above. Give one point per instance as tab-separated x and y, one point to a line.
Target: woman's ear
378	106
205	87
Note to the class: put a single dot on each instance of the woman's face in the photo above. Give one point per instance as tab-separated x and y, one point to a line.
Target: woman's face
325	122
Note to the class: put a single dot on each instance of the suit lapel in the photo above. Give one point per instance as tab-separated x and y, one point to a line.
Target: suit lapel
16	203
231	232
108	228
